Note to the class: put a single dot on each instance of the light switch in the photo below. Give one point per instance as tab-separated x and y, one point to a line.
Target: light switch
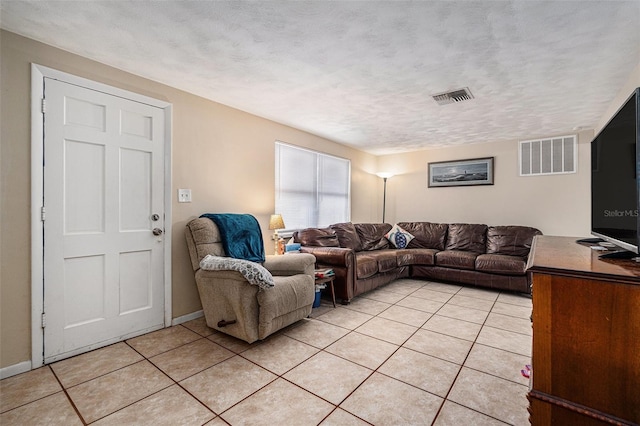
184	195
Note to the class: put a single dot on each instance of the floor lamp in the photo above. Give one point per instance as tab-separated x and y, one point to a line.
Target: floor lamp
384	176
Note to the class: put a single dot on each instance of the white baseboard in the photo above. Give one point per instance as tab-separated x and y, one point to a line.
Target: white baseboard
15	369
188	317
25	366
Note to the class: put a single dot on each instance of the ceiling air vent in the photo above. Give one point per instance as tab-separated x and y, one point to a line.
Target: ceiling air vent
453	97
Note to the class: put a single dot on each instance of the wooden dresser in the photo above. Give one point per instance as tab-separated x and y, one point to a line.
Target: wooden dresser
586	336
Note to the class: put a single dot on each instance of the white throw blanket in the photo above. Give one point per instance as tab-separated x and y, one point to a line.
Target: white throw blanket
255	273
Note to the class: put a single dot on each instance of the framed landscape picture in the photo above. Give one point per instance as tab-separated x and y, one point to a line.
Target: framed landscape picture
476	171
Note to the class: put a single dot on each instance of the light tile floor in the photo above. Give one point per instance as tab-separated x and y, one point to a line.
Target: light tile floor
410	353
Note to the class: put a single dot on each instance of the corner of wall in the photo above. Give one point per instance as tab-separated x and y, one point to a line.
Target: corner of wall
630	85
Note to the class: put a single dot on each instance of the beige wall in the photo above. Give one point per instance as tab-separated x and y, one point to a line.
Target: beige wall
224	155
556	204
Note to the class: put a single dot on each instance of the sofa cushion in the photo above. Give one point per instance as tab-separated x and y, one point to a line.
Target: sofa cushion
347	235
501	264
467	237
372	235
386	260
456	259
398	237
510	240
410	256
426	234
324	237
366	265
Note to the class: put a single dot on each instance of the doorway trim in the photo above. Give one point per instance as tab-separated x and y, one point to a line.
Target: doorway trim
38	73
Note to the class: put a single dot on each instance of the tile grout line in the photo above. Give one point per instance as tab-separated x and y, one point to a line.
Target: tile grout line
145	358
389	357
35	400
278	376
460	365
453	382
175	382
452	295
73	404
238	354
463	366
373	371
323	349
401	345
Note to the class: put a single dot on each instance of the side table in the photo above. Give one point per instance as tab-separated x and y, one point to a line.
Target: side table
329	282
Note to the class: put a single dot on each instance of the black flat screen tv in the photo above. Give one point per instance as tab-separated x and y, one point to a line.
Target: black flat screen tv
615	188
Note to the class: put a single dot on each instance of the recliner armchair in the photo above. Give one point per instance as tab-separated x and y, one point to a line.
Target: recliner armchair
234	306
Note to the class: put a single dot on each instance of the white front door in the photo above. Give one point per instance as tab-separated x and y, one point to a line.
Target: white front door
103	219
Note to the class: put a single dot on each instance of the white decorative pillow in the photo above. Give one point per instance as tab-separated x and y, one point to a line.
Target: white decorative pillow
255	273
399	237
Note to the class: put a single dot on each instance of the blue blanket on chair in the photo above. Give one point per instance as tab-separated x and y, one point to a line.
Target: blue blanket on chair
241	235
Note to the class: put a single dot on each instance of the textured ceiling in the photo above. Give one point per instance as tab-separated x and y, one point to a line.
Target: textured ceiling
362	73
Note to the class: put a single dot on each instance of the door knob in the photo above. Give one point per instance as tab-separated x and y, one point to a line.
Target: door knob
155	217
157	231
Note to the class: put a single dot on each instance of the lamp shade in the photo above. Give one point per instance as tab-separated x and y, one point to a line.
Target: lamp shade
384	175
276	222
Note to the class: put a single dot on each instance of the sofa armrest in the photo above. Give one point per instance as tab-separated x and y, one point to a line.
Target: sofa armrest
331	256
226	296
223	274
290	264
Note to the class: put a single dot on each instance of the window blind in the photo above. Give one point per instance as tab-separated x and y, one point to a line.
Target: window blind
312	188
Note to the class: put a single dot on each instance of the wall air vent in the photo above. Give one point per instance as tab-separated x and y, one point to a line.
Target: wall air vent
556	155
453	96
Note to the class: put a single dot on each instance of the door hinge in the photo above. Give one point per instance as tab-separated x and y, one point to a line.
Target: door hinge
43	213
44	105
44	320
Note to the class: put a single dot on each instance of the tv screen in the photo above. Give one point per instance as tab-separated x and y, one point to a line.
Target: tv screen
614	178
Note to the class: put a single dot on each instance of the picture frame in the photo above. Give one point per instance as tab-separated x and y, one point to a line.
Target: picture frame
469	172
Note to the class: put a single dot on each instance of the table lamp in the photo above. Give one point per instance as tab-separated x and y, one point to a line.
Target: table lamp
275	223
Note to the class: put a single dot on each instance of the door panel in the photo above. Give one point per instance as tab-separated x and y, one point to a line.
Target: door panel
135	190
84	280
103	181
84	191
135	281
84	113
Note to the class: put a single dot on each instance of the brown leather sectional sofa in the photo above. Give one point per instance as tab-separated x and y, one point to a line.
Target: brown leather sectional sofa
363	259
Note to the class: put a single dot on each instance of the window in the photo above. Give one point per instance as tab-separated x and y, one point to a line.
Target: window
312	189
